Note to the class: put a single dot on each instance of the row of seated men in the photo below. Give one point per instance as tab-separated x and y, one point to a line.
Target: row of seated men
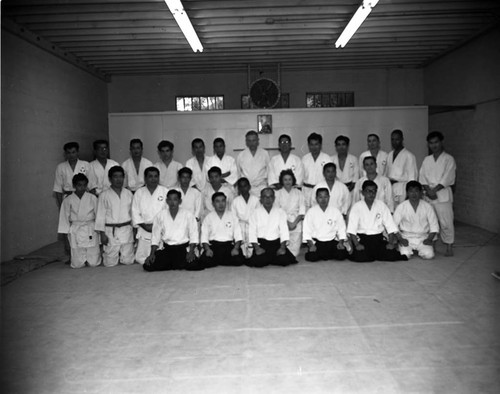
437	176
254	232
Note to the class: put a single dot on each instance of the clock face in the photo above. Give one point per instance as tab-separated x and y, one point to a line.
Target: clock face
264	93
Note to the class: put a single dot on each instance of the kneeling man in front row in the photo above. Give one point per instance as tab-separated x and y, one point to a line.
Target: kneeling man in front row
367	221
177	229
268	233
417	222
221	235
324	230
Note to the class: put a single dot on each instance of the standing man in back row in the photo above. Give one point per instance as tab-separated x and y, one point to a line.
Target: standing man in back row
401	167
167	166
135	166
373	142
285	160
99	168
437	175
252	163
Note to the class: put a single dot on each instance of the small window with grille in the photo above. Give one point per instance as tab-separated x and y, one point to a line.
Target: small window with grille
329	99
199	103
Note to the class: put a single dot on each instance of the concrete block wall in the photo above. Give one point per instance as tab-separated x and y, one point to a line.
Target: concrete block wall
45	103
470	76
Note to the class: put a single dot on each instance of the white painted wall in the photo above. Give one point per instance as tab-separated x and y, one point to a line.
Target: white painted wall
46	102
181	127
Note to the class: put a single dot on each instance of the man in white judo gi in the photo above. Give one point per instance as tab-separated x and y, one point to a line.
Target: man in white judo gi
148	201
167	165
215	185
417	223
324	230
252	163
191	197
199	163
221	236
401	167
285	160
114	220
313	163
65	171
226	163
99	168
384	187
437	176
135	165
77	220
347	164
373	142
339	194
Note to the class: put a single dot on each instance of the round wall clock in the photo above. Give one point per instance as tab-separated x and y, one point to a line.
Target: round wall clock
264	93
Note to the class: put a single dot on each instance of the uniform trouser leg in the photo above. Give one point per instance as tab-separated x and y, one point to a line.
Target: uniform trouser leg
78	257
172	257
143	250
417	243
222	255
127	253
444	212
270	257
295	240
375	249
326	250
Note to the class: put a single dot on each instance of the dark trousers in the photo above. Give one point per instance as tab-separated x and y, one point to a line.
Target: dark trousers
173	257
222	255
270	257
375	249
326	251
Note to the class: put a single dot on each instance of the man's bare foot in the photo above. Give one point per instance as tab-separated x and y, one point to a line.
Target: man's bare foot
449	251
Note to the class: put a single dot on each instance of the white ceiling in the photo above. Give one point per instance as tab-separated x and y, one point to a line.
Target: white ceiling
137	37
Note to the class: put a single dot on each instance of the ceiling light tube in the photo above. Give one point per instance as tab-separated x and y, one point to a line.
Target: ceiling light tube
356	21
177	10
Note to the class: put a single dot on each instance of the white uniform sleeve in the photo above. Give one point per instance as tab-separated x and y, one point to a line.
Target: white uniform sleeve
194	237
353	222
156	234
307	227
58	181
388	221
204	231
252	228
284	233
238	236
433	221
299	173
100	217
64	213
412	168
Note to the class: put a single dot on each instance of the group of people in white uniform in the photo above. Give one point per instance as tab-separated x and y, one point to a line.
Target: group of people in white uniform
255	210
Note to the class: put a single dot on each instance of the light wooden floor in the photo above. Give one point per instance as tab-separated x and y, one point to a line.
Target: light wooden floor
330	327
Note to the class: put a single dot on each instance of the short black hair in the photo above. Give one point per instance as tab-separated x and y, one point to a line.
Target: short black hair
214	169
368	183
185	170
151	169
414	184
218	194
328	165
136	141
96	143
176	192
435	134
322	189
115	169
373	135
369	158
251	132
284	136
197	141
285	173
79	178
315	137
218	139
398	132
342	138
164	144
70	145
241	180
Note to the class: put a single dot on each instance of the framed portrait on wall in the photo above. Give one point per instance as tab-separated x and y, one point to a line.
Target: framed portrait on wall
264	124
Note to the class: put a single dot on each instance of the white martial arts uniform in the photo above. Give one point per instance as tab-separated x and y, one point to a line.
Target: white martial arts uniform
207	194
441	172
339	196
350	172
133	179
221	229
325	225
183	229
77	219
254	168
363	220
200	174
192	201
402	170
63	182
384	190
226	164
277	164
243	209
381	162
415	227
313	174
98	176
168	175
115	209
145	206
268	225
293	205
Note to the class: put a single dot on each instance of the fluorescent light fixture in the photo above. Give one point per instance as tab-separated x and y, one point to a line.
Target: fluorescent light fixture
177	10
358	18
